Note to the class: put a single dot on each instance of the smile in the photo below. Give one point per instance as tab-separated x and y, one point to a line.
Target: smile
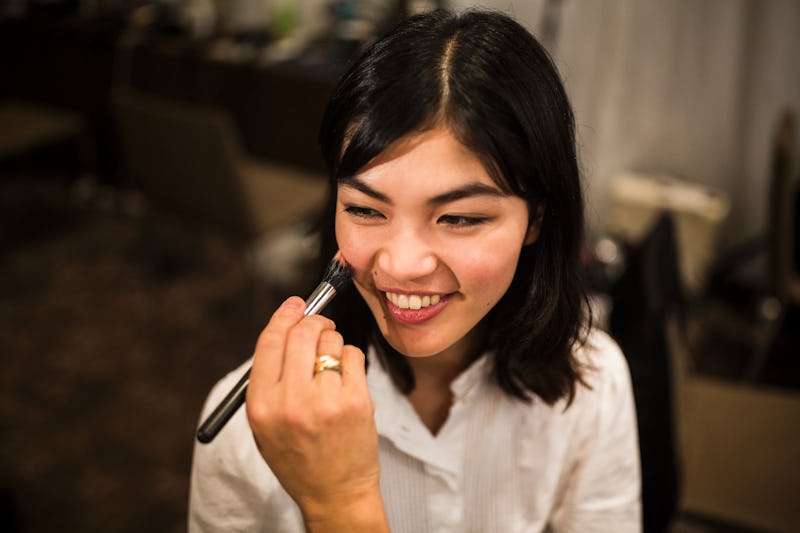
412	301
415	308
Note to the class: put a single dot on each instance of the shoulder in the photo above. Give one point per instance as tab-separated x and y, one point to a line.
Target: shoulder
602	492
601	361
604	389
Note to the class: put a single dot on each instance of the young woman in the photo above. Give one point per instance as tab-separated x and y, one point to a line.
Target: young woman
488	402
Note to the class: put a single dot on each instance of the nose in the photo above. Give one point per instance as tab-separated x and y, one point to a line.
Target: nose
407	256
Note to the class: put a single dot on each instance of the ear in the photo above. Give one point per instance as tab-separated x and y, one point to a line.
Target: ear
535	226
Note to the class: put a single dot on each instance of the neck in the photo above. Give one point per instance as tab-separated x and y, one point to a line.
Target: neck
431	397
441	369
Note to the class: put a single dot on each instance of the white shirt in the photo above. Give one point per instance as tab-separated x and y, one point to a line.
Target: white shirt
497	464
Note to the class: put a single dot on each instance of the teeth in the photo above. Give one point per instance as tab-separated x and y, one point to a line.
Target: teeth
412	301
402	301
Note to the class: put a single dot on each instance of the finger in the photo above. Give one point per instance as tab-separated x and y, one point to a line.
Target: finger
301	349
330	343
354	390
270	347
353	371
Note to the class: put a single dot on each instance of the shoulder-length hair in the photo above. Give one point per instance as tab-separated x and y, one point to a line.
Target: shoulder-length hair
494	86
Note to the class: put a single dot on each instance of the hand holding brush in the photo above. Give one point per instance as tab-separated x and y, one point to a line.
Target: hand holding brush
336	277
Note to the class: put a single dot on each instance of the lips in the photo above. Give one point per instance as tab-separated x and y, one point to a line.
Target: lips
414	308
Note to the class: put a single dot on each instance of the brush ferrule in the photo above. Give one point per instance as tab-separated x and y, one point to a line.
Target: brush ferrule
321	296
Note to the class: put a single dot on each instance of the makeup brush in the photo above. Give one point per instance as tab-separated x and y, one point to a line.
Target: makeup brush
336	278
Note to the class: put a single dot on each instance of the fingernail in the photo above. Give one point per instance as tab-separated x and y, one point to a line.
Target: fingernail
293	302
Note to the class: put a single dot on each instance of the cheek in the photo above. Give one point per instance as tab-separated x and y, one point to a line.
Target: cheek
355	248
488	270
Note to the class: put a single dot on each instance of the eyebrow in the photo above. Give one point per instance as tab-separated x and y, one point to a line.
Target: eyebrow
467	191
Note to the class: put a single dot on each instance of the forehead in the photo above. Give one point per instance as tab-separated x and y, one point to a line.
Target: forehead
426	163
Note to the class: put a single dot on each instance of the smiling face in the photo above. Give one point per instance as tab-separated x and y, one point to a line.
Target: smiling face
432	240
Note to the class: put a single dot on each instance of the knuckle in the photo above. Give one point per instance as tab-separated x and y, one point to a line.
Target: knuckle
294	414
329	412
354	355
290	417
268	339
305	331
257	414
321	322
332	337
357	408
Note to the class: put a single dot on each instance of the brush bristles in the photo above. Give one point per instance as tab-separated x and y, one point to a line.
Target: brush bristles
337	274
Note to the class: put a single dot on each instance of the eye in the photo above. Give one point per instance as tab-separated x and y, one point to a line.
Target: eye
362	212
461	221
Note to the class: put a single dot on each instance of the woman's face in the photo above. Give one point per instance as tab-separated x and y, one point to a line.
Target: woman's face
432	240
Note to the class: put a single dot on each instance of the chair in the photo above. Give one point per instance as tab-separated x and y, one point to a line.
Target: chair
784	221
188	161
26	127
773	297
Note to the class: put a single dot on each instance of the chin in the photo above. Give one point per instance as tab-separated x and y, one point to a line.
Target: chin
414	348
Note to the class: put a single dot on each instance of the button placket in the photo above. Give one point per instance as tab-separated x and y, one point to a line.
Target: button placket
446	500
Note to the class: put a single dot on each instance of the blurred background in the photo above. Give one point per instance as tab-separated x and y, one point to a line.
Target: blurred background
159	174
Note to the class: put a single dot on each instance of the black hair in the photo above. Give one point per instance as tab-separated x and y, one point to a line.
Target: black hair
488	80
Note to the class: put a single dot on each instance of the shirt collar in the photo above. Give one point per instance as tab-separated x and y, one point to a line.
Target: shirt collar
396	420
468	382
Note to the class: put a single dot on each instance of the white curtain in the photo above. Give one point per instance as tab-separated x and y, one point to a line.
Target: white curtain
682	87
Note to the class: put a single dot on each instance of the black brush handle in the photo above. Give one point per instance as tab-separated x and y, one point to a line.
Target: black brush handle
224	411
315	303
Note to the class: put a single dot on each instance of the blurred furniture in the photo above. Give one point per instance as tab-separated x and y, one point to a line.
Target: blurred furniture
765	301
33	132
64	63
276	106
721	445
738	449
721	449
69	62
645	297
26	127
637	200
784	222
188	161
737	442
778	360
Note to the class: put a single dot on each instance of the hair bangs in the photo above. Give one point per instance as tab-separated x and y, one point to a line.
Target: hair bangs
394	115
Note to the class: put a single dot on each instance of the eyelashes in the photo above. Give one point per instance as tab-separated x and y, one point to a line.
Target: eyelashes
462	221
362	212
455	221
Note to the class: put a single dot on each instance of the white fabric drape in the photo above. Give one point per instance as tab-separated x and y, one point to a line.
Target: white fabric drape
687	88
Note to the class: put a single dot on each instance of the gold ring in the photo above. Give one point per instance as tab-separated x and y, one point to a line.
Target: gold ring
327	362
